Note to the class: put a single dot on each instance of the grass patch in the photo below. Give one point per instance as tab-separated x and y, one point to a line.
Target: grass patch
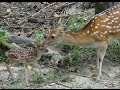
2	55
37	79
52	75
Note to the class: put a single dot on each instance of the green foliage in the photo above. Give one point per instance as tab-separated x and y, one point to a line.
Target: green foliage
76	23
113	51
79	55
3	41
46	63
39	36
66	62
52	75
3	36
2	55
37	79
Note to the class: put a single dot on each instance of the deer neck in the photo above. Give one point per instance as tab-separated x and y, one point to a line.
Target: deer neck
77	38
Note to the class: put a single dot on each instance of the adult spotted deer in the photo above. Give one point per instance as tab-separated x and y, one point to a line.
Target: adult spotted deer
25	56
98	31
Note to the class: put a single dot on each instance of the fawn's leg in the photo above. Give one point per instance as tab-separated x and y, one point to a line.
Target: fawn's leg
39	67
10	71
101	57
26	72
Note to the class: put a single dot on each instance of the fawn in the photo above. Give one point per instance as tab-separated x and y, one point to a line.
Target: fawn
97	32
25	56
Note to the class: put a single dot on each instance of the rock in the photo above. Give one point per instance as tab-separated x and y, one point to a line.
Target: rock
22	41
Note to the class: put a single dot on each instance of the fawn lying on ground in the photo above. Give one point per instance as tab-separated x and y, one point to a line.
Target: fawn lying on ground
25	56
102	27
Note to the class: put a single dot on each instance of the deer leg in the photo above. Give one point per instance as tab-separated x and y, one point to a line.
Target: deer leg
97	60
26	73
101	57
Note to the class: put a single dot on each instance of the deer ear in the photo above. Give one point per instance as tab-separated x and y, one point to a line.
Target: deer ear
61	27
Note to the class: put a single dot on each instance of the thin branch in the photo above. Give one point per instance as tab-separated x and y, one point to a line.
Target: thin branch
6	22
56	82
64	5
67	15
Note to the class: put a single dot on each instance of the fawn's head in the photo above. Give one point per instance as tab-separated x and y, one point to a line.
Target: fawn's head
55	36
41	47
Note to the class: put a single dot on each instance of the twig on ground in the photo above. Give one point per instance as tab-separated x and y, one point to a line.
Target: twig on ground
16	27
36	13
67	15
55	82
6	23
59	83
64	5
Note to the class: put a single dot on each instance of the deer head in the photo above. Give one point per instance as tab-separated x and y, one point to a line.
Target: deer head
55	35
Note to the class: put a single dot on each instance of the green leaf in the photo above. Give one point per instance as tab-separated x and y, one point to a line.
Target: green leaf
3	36
39	36
76	23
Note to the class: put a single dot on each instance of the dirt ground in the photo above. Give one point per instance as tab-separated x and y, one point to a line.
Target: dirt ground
22	18
82	79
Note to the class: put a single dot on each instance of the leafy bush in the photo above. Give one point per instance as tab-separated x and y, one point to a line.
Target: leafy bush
39	36
2	55
3	36
80	55
3	41
76	23
113	51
